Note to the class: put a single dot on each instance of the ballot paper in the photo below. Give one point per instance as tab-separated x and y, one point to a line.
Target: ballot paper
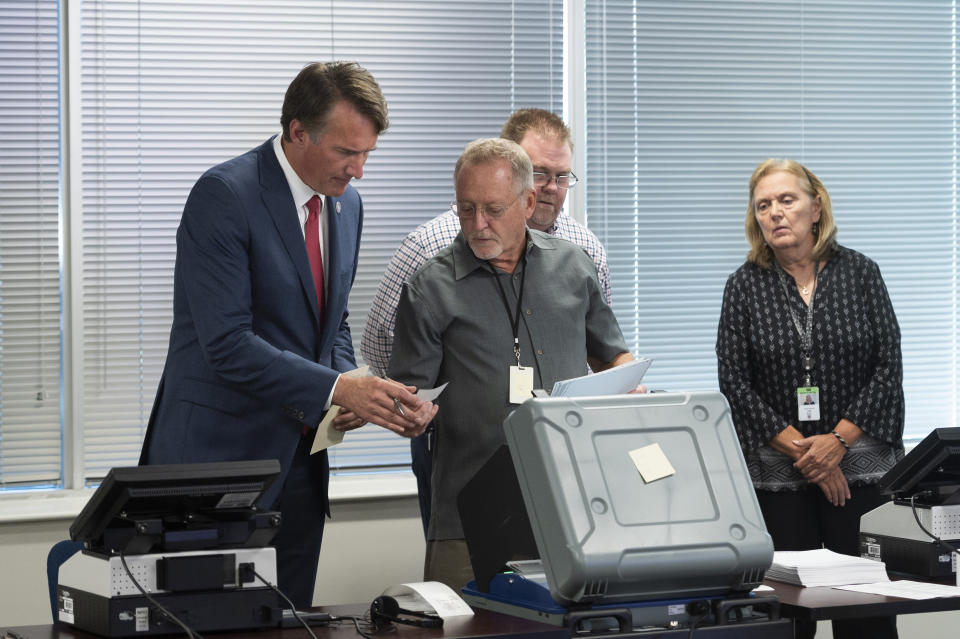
613	381
430	394
824	567
905	589
430	597
531	569
327	435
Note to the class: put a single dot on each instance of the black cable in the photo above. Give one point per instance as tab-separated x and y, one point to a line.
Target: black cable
293	608
693	624
169	615
356	625
916	518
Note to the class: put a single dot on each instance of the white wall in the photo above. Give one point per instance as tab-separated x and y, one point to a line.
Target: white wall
367	546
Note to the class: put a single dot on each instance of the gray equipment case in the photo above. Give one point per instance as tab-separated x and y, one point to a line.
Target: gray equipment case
606	535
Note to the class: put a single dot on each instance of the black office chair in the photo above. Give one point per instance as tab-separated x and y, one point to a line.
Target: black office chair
61	551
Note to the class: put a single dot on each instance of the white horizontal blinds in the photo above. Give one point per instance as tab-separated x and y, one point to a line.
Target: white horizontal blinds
888	98
29	260
686	98
162	100
171	88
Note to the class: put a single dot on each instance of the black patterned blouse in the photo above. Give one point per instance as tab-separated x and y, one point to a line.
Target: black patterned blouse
857	366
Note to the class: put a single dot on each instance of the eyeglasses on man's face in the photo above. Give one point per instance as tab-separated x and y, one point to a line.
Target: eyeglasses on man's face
563	180
493	211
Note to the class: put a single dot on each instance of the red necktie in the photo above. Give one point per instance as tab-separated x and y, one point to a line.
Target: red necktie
312	233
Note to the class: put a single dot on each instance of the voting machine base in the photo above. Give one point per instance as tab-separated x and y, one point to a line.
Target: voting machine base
95	593
890	534
172	547
202	611
530	599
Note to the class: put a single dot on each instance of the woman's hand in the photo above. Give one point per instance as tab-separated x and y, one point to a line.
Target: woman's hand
820	455
835	488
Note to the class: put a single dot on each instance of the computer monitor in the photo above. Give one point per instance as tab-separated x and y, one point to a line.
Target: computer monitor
932	465
142	509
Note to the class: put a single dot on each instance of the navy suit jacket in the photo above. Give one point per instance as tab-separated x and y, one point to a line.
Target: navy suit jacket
250	362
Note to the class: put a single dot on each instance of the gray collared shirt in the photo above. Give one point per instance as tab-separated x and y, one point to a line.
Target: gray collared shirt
452	326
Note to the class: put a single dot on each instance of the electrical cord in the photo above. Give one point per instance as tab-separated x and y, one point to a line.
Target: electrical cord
169	615
356	625
293	608
697	611
694	623
916	517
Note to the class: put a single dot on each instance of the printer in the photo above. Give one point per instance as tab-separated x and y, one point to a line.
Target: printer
925	491
183	538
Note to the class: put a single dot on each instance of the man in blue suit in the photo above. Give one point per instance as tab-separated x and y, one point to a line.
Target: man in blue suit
266	255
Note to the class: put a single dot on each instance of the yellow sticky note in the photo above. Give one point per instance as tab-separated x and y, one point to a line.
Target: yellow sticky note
652	463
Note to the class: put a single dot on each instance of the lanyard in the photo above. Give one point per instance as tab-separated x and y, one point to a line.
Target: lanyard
805	332
514	321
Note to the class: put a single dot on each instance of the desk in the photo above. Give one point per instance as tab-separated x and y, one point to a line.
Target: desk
822	602
483	624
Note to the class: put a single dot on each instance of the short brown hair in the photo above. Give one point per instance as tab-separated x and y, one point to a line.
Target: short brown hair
487	150
540	121
319	86
825	239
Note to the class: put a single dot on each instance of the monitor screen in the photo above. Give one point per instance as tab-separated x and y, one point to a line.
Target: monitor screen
933	464
178	507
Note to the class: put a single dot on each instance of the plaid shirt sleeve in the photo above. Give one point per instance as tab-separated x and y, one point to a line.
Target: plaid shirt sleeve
572	231
419	246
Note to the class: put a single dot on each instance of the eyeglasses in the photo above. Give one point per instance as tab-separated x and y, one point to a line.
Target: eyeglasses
467	210
563	181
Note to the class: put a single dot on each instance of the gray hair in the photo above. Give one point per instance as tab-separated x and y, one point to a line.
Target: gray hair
487	150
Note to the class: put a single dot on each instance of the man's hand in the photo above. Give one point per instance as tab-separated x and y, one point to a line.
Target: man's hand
382	401
347	420
835	488
820	455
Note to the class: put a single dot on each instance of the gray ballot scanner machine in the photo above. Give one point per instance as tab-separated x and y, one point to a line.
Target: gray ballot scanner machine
917	531
640	504
174	544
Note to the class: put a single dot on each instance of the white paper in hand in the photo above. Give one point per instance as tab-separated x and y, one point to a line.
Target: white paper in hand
613	381
327	435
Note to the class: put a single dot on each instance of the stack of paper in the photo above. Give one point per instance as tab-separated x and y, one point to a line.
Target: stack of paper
824	567
613	381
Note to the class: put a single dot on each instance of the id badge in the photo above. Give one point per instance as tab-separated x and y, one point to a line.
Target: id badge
808	403
521	384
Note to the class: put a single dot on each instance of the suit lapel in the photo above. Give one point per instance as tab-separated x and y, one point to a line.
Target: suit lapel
335	243
279	203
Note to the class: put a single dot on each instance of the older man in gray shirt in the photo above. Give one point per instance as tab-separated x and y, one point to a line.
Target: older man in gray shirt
502	310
